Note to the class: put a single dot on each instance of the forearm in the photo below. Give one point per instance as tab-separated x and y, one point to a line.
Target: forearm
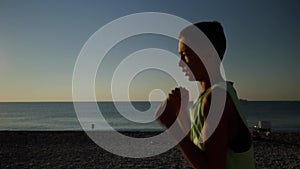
195	156
184	121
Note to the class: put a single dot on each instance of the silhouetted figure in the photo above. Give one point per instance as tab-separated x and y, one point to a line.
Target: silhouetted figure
230	145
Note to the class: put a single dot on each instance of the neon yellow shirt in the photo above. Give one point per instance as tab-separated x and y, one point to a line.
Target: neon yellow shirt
243	160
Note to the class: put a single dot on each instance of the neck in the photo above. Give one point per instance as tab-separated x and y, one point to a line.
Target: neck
206	84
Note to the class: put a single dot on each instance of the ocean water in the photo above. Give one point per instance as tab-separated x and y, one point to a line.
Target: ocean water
283	115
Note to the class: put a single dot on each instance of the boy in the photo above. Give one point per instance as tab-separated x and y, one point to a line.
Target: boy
230	144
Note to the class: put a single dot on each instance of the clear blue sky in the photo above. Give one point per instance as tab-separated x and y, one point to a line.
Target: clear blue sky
40	41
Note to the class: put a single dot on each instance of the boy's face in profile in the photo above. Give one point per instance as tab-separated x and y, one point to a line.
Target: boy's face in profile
190	63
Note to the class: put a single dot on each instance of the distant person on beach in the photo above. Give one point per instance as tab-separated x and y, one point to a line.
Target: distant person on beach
230	145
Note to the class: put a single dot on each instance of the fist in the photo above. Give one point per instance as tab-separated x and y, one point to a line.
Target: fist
169	109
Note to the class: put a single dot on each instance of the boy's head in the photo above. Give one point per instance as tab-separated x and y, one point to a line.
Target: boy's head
214	32
190	62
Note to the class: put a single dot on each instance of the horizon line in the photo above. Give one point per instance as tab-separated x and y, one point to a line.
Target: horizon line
70	101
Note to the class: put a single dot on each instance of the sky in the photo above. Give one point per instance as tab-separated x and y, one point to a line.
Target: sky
41	40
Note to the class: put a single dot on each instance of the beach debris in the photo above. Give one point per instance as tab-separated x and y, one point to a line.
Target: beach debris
262	128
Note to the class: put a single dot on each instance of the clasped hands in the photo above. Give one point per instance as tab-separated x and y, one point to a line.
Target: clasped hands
174	106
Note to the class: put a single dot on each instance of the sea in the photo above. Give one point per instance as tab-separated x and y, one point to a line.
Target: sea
61	116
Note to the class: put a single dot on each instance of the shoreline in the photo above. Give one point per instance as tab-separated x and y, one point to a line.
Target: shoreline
74	149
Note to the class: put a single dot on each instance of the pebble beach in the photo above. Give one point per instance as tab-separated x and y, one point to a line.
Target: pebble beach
74	149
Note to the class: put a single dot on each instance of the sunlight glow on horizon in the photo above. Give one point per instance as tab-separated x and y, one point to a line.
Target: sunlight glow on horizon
40	42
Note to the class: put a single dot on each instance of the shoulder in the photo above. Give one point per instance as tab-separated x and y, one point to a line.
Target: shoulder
224	99
223	117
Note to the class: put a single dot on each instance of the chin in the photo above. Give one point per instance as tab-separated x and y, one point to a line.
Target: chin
190	78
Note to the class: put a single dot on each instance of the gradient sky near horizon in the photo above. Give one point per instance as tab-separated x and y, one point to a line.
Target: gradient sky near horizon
40	42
